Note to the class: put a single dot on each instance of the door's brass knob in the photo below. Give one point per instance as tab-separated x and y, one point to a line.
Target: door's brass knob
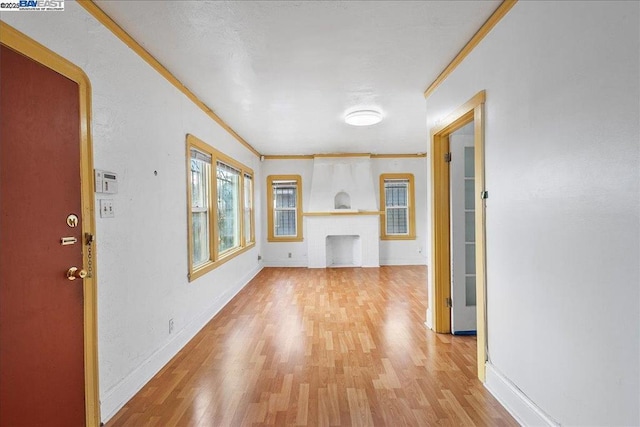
75	273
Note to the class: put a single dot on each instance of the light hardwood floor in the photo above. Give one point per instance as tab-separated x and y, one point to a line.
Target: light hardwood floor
320	348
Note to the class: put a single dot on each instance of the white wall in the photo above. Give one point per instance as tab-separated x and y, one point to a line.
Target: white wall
405	252
276	254
139	126
351	175
563	220
399	252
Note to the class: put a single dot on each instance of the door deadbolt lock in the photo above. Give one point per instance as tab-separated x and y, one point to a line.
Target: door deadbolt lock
72	220
75	273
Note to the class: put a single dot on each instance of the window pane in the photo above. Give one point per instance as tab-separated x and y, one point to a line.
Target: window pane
200	175
470	227
200	235
469	166
285	207
397	221
228	184
396	192
470	258
469	194
285	197
199	183
470	291
248	207
285	223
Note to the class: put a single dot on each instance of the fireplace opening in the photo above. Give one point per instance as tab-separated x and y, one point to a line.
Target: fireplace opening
344	251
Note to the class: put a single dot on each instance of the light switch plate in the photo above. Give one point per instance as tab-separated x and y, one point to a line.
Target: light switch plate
106	208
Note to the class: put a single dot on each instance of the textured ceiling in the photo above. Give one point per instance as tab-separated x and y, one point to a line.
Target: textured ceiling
283	74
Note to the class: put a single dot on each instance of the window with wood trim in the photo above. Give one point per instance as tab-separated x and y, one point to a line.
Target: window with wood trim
200	175
284	210
220	200
249	228
229	219
397	199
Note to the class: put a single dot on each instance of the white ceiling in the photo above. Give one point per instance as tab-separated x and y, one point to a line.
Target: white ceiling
283	74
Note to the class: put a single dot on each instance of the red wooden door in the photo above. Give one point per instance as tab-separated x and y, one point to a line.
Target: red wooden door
41	310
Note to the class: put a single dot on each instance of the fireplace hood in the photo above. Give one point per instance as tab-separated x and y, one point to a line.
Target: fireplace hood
345	186
342	184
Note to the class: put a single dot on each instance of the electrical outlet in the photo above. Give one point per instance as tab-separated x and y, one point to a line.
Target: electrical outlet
170	326
289	254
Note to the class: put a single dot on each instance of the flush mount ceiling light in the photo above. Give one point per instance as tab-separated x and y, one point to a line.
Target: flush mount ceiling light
363	118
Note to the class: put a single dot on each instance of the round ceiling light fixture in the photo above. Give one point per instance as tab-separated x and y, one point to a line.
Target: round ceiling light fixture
363	117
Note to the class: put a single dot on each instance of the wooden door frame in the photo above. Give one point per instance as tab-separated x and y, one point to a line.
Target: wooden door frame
21	43
472	110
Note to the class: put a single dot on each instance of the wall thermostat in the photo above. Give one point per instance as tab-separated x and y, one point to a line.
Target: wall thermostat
106	182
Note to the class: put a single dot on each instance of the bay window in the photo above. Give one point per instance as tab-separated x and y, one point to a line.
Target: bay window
220	200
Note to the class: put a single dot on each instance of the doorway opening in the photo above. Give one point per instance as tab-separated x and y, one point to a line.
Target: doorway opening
441	207
462	220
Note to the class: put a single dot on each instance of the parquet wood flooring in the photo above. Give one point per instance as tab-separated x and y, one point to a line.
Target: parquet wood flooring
327	347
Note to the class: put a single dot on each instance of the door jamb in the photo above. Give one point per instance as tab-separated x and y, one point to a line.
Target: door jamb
23	44
472	110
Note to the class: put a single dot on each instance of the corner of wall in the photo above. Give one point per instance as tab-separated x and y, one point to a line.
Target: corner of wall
429	319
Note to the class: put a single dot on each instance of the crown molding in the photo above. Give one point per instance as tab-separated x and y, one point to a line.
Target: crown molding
497	15
112	26
314	156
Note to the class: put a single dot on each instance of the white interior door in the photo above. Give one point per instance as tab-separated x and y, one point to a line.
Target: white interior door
463	247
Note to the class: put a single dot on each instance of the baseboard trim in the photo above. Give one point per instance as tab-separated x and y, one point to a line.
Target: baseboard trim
399	261
523	409
284	263
304	263
465	333
121	393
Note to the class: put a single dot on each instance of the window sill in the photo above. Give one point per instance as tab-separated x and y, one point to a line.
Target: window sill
212	265
391	237
285	239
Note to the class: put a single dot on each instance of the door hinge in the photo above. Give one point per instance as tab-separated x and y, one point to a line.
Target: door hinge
484	195
447	157
449	302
